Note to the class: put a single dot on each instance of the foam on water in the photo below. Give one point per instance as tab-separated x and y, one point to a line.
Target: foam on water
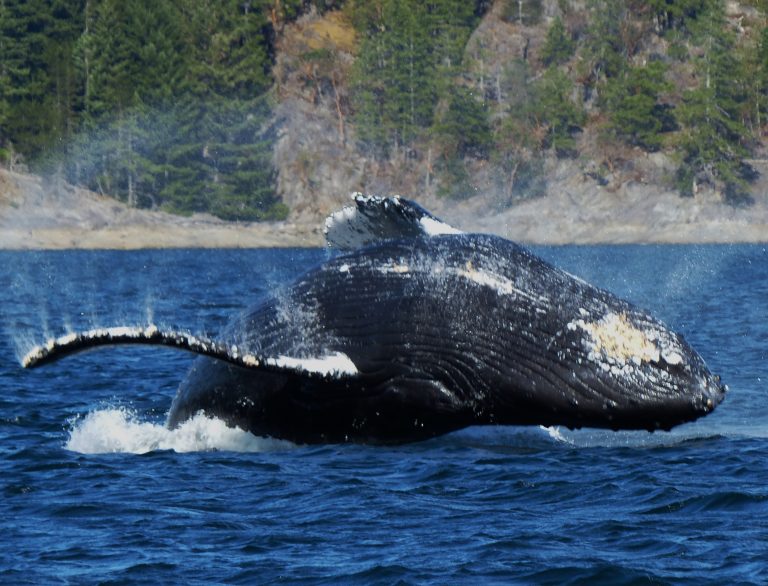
603	438
119	430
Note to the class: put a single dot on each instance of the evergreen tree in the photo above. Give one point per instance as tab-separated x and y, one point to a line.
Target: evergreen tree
408	55
37	82
137	56
554	111
605	50
394	81
175	106
221	161
632	102
675	13
760	79
136	65
517	157
558	45
524	12
464	130
714	138
449	24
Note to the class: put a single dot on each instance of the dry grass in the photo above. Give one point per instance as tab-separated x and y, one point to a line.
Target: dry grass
332	31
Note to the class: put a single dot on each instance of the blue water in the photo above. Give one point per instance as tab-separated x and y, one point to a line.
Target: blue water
96	490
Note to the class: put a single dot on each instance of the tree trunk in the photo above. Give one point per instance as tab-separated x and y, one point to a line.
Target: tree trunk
428	179
339	113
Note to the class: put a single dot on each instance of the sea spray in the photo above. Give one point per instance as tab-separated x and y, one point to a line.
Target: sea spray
120	430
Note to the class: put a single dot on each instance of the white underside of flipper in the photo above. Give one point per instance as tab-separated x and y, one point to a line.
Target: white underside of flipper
331	364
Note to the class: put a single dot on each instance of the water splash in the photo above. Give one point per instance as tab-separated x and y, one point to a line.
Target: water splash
603	438
120	430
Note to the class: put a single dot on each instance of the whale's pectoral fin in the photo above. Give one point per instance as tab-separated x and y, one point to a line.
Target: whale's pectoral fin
372	218
331	364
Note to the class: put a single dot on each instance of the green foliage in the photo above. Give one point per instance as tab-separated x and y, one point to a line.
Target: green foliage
464	130
525	12
713	142
394	89
675	13
174	112
605	49
136	56
158	102
554	110
164	103
518	140
633	103
558	45
37	80
408	56
454	179
760	79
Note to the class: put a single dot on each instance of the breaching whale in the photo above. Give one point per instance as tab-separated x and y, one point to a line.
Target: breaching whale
416	329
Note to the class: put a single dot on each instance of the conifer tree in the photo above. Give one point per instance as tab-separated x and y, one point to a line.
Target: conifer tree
760	79
136	66
175	107
463	132
605	51
558	45
408	56
524	12
464	129
222	160
633	102
394	81
554	111
674	13
714	137
519	138
37	82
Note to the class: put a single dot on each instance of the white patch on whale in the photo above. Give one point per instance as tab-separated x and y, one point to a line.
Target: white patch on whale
618	341
334	364
433	227
114	332
498	283
397	268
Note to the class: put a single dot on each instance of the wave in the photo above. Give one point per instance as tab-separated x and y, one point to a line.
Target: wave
119	430
112	430
594	438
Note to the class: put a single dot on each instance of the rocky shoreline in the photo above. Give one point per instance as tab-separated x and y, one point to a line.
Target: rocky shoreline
39	215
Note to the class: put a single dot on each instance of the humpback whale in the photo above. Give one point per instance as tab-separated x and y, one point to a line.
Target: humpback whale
414	329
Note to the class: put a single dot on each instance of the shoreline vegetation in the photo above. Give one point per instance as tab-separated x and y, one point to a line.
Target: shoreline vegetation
35	215
183	124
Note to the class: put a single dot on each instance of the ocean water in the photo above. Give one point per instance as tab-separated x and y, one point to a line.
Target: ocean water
96	491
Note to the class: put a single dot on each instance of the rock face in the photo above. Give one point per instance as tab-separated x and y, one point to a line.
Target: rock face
626	198
319	164
40	214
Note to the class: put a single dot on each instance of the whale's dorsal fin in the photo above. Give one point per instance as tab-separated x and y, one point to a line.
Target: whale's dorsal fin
372	218
332	364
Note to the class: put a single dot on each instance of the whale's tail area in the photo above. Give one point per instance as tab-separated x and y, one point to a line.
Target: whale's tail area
333	364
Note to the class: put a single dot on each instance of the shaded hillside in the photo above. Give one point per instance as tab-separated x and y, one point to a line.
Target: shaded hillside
618	93
251	111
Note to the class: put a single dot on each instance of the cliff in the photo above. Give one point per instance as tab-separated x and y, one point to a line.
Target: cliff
610	193
630	199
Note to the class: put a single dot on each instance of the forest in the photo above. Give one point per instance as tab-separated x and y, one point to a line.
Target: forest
168	104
